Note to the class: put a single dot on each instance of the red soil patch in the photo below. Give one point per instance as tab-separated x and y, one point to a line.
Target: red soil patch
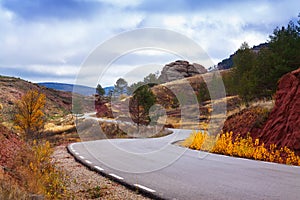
283	125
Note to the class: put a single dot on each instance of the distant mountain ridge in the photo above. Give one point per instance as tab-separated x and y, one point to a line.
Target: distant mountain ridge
81	89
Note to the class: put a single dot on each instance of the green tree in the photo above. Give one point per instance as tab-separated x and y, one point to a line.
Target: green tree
285	51
120	87
255	74
29	116
133	87
203	93
151	79
243	62
100	91
141	102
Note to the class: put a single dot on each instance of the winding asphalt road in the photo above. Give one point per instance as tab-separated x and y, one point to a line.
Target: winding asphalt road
163	170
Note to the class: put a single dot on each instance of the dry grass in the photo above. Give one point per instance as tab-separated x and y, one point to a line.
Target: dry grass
54	129
268	104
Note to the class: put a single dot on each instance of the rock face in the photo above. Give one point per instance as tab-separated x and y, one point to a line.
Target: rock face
180	69
103	110
283	125
249	120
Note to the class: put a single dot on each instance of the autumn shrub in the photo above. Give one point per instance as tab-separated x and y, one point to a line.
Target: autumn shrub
11	191
34	174
47	179
200	141
29	116
244	147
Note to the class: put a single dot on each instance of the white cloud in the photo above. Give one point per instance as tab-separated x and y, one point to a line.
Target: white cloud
119	3
58	47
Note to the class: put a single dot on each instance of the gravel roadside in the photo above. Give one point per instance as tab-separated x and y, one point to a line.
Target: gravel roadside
86	184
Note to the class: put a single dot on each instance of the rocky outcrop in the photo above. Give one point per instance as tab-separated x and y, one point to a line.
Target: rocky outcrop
283	125
103	109
280	126
247	121
180	69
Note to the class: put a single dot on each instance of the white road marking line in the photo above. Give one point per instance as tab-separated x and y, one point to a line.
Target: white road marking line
116	176
88	162
144	188
77	153
99	168
81	157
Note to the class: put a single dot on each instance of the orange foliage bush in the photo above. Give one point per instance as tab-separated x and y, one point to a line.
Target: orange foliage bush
29	116
240	147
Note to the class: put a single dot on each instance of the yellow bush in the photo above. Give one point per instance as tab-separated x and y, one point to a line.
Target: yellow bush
200	141
39	173
240	147
49	180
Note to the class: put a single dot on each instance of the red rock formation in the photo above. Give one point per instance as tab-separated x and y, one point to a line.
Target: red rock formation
103	110
283	125
248	120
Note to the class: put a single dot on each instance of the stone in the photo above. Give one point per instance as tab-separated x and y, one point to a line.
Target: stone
180	69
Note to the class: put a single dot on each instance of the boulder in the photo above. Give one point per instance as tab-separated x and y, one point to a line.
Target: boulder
103	109
180	69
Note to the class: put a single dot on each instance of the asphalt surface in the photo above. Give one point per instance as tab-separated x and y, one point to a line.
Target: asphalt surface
163	170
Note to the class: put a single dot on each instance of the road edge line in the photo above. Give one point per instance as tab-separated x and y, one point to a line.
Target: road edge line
145	193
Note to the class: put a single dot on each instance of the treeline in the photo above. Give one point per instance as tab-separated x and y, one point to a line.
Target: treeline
255	73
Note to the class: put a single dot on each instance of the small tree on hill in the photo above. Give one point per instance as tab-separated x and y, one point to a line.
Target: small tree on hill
142	100
100	91
120	87
29	113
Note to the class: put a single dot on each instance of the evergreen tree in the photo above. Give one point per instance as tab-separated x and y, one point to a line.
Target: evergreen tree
141	102
244	61
120	87
100	91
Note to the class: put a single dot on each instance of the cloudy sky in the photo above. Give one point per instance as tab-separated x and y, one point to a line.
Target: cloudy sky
49	40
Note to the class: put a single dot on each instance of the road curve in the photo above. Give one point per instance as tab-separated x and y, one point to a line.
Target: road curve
162	170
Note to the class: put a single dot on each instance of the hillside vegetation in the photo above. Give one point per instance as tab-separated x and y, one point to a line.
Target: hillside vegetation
255	73
58	103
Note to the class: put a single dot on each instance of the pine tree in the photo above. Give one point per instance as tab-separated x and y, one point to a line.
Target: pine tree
120	87
141	102
100	91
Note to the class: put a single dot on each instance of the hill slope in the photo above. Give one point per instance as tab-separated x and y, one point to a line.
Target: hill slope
12	89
